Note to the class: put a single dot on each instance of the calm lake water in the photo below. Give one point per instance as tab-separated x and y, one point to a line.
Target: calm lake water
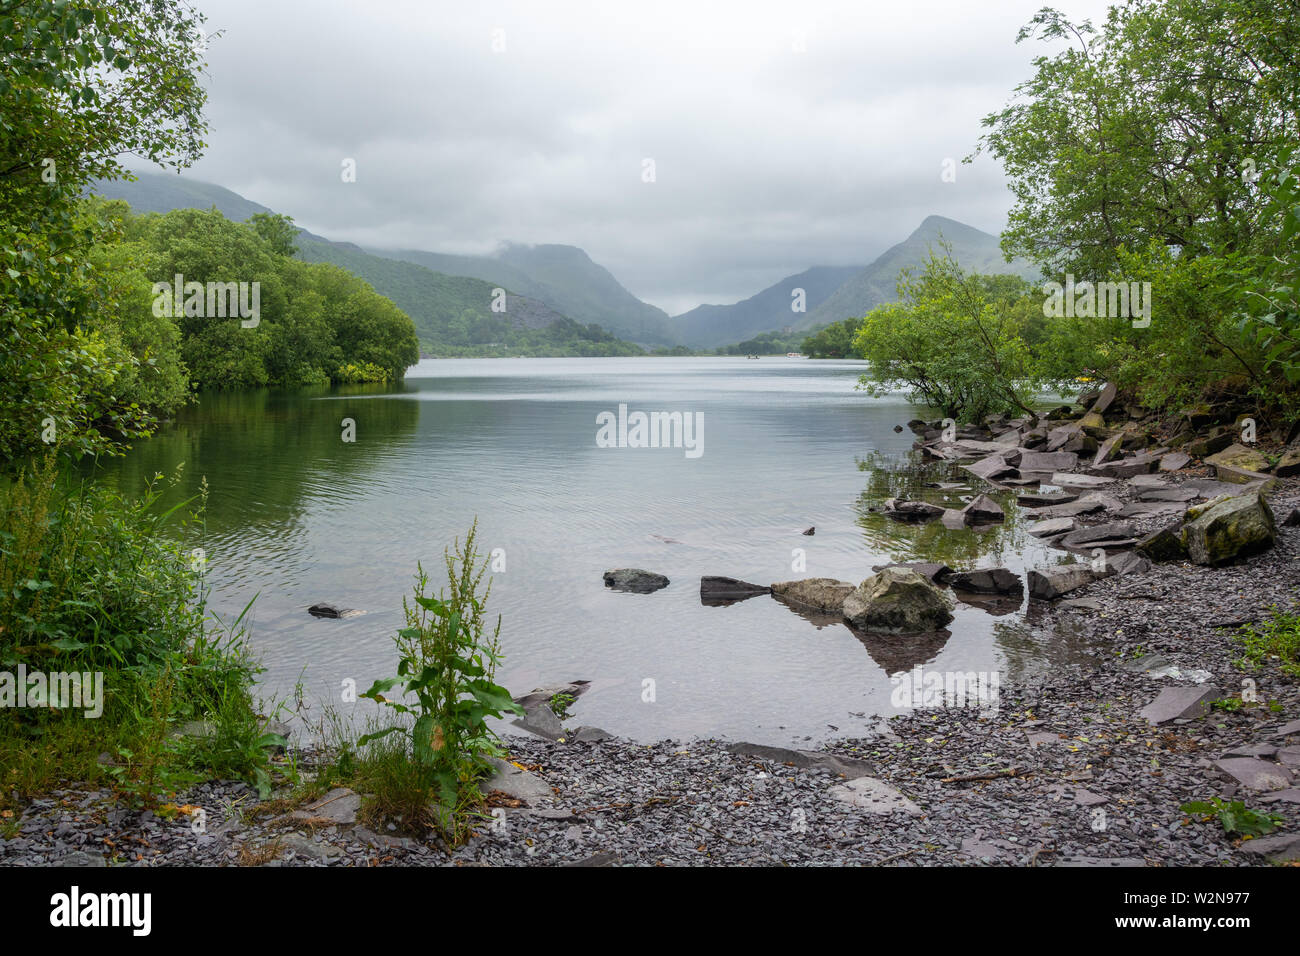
297	515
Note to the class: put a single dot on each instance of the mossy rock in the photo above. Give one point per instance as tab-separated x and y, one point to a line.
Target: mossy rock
1229	529
898	601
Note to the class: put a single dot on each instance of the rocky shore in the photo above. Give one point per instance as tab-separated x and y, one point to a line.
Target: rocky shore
1087	765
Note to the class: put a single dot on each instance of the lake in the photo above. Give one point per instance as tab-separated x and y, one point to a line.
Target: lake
297	515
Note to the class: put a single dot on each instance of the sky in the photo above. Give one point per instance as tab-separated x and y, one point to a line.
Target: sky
700	151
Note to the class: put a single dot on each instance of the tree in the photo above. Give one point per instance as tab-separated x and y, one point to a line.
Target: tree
1150	127
80	86
953	340
278	230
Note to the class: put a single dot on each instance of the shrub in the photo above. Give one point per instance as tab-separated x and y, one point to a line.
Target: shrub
448	662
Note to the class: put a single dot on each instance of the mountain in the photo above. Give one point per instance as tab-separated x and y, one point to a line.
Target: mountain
163	192
972	248
563	277
452	313
708	326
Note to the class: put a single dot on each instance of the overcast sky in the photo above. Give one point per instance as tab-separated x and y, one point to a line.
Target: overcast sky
783	135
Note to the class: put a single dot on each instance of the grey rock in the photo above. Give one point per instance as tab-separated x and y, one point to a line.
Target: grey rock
1229	530
1255	773
1066	480
1048	461
728	590
306	847
81	858
634	580
1279	848
818	594
938	573
875	796
987	581
541	720
1175	461
804	759
1163	544
1052	527
1046	500
902	509
1174	703
1049	583
588	735
991	468
1128	562
982	508
1101	536
516	783
897	601
332	611
339	805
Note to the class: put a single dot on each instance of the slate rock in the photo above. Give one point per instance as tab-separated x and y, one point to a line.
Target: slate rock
897	601
875	796
1174	703
634	580
987	581
1230	530
1255	773
818	594
1049	583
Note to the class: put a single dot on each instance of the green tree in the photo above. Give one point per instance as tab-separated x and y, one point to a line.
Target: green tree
81	85
1149	127
278	231
954	340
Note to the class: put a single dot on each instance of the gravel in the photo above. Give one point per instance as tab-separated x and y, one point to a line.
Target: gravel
1065	772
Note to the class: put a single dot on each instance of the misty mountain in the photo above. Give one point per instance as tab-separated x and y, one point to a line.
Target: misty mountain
452	313
708	326
564	278
163	192
973	249
561	278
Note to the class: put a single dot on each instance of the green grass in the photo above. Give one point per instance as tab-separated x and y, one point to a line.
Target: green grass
91	581
1278	638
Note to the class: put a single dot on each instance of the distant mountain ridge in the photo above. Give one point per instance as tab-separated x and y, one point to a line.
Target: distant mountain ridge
708	326
563	278
552	283
973	249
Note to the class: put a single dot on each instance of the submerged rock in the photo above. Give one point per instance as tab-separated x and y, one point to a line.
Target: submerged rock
897	601
938	573
818	594
331	611
987	581
982	509
901	509
635	580
722	591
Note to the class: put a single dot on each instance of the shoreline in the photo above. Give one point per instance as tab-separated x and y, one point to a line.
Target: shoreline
1066	773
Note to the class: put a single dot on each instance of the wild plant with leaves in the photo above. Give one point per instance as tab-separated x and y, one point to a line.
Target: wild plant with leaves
448	662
